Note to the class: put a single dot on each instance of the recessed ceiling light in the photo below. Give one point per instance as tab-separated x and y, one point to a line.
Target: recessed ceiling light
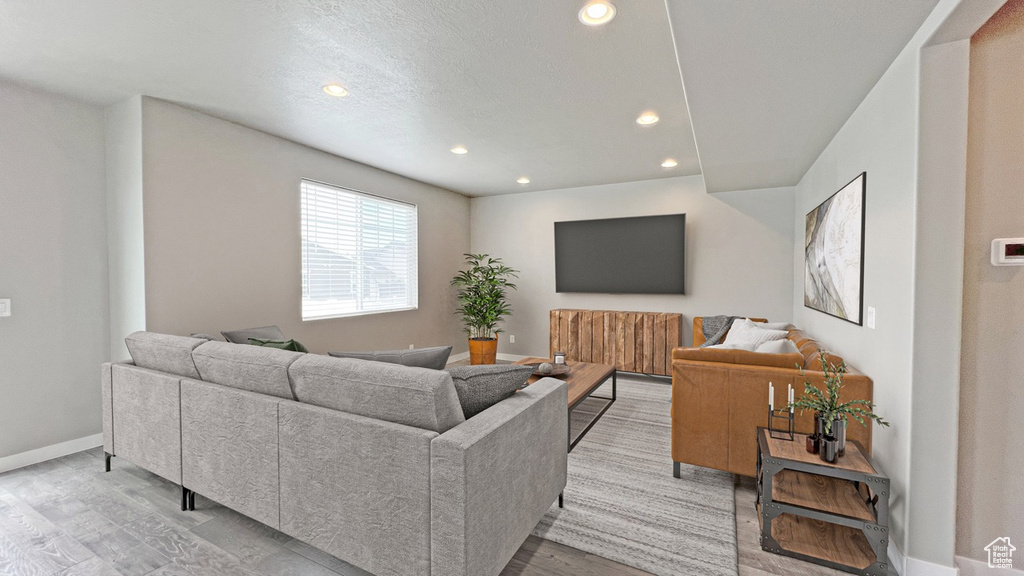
523	180
597	13
669	163
460	150
647	119
335	90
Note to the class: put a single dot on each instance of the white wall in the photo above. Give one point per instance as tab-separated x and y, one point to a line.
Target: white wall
909	135
738	251
125	243
221	213
991	472
53	265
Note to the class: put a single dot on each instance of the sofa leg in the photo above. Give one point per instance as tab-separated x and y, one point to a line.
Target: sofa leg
561	502
106	458
675	470
191	500
184	498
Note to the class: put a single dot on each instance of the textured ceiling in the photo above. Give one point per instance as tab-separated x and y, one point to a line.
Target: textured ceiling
769	83
523	85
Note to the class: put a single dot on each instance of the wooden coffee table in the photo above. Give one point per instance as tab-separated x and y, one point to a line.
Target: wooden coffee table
583	379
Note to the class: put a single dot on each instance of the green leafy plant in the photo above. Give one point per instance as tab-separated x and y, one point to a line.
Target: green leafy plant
827	401
482	294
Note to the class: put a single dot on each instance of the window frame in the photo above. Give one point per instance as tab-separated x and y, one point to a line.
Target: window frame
411	303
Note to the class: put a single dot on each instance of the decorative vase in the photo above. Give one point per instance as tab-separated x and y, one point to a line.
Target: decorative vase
829	450
819	425
483	350
812	443
839	432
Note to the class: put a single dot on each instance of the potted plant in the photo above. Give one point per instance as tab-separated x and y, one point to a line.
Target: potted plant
831	414
483	303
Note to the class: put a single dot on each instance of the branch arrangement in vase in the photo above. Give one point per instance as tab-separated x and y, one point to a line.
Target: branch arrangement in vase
827	402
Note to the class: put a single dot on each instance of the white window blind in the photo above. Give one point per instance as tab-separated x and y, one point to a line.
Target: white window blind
358	253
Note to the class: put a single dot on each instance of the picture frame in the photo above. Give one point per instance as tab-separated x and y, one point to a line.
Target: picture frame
834	253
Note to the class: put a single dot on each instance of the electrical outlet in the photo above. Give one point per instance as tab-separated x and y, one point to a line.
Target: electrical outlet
511	338
5	307
870	321
410	346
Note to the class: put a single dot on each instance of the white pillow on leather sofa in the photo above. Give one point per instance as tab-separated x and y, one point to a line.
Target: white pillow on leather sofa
746	333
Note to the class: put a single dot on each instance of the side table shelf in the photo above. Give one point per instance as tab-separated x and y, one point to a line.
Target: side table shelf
835	515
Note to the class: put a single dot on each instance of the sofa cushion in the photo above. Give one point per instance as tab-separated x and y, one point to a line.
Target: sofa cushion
264	332
164	352
811	351
293	345
773	325
480	387
407	395
783	346
434	358
252	368
738	356
743	331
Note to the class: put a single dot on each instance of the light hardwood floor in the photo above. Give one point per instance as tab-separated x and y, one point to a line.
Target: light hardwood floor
67	517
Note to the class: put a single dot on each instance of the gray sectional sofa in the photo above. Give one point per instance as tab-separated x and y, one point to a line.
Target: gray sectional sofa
373	463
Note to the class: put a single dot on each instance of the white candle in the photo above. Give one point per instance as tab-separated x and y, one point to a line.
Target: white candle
771	396
791	397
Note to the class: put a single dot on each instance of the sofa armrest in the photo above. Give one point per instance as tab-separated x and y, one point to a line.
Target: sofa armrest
494	476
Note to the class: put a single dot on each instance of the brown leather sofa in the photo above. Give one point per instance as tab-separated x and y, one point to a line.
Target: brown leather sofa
720	398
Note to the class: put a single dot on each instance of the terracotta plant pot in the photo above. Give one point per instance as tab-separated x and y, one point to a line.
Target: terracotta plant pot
483	350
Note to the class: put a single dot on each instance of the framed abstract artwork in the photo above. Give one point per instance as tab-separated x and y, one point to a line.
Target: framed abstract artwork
834	253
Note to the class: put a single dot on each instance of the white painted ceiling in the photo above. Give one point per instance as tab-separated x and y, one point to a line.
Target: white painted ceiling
522	84
769	83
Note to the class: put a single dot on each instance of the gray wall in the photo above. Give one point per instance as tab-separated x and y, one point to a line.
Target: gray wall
991	472
909	135
221	213
53	265
738	251
125	244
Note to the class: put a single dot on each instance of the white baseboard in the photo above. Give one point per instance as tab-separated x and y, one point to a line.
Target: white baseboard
916	567
970	567
896	557
511	357
45	453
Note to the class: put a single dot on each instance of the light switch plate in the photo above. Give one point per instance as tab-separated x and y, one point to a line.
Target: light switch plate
5	307
870	321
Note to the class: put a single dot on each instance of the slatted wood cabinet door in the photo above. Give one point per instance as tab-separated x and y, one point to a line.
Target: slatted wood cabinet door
631	341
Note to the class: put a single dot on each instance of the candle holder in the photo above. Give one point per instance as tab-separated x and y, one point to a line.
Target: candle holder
780	424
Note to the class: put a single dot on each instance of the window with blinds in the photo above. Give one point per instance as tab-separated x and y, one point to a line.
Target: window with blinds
358	253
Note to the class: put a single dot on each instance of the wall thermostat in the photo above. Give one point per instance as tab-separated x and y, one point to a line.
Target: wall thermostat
1008	252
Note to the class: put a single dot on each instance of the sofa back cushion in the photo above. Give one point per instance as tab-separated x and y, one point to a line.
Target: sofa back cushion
252	368
164	352
698	329
417	397
811	351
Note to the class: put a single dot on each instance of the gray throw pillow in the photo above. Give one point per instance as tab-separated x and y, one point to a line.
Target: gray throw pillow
480	387
434	358
263	333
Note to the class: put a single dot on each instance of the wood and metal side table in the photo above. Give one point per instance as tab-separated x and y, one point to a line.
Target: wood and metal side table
835	515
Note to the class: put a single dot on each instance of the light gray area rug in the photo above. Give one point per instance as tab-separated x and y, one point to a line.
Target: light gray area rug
622	503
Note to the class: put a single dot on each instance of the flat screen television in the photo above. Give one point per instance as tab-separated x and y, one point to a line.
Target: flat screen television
640	255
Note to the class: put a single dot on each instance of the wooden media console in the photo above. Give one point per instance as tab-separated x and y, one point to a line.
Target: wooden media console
631	341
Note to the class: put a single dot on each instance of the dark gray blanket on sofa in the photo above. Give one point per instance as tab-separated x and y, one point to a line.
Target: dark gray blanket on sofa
714	328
